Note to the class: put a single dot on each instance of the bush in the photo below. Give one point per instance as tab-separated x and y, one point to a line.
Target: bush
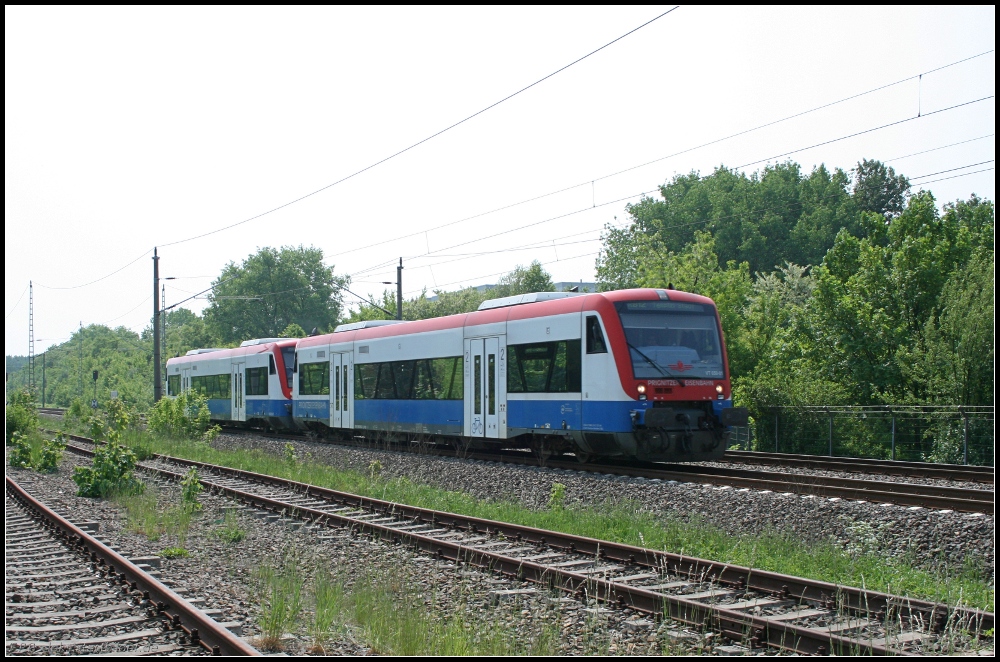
51	454
19	455
185	417
111	472
21	415
77	409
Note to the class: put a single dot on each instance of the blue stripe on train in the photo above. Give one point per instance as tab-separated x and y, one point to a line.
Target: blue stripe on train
443	415
265	408
222	410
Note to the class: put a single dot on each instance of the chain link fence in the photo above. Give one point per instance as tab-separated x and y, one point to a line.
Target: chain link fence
944	434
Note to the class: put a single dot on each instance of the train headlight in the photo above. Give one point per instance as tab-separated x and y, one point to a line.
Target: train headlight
641	388
718	389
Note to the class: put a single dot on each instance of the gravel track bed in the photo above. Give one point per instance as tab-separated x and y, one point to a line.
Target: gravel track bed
932	539
857	475
223	573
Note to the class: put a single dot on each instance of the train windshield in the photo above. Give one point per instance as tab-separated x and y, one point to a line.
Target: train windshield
672	339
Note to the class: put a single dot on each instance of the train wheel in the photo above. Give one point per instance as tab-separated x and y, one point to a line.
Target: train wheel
584	458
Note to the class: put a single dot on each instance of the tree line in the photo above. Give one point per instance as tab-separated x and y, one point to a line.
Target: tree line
834	287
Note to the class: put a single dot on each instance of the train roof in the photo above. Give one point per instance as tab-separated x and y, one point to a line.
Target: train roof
507	311
247	348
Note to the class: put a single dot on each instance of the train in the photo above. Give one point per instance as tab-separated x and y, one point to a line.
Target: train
635	374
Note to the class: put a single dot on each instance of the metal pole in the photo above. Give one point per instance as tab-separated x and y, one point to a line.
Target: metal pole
81	359
43	379
163	331
157	386
893	436
831	433
965	439
775	430
31	338
399	290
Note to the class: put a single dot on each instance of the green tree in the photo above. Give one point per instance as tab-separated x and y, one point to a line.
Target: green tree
185	331
878	189
270	290
521	280
875	296
766	219
293	330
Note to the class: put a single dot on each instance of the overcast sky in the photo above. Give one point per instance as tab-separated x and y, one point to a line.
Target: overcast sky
132	128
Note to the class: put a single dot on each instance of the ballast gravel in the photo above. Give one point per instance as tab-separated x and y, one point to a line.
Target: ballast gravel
220	576
940	540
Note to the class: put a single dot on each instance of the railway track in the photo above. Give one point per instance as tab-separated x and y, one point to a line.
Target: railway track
902	494
67	593
955	472
832	487
755	608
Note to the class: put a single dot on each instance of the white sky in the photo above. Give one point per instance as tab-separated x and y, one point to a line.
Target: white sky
129	128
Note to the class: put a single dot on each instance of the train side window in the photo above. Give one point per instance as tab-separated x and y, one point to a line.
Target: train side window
271	369
314	379
365	375
545	367
595	337
256	381
174	385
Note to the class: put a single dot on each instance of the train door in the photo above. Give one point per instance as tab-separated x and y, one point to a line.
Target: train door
486	393
185	380
341	391
599	376
238	403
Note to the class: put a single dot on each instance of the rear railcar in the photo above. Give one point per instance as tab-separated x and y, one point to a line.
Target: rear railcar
246	386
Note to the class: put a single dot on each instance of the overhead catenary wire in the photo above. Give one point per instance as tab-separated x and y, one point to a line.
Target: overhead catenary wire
428	138
941	172
771	158
934	149
17	303
675	226
964	174
97	280
590	182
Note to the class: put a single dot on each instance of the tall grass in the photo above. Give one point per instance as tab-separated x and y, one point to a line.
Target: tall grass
628	523
394	614
280	595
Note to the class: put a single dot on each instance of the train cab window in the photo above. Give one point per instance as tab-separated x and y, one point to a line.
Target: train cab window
271	370
595	337
290	358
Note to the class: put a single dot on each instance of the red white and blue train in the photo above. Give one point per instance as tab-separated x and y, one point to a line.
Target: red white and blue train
633	373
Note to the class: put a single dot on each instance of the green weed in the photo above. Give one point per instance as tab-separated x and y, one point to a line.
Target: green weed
231	531
279	588
191	487
175	553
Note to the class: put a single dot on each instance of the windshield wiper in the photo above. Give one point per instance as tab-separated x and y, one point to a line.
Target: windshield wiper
656	365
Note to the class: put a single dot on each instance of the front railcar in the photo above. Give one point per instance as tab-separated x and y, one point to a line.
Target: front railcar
670	356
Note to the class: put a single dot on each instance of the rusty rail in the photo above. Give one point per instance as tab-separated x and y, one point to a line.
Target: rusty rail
198	626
